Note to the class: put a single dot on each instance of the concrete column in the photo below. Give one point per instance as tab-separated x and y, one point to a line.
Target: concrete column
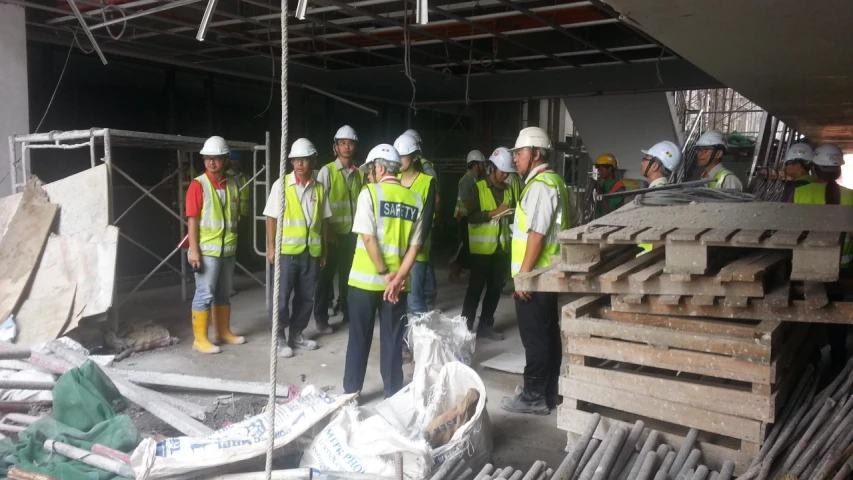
14	101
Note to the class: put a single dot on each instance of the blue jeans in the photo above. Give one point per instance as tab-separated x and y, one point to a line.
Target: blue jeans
417	297
213	283
430	287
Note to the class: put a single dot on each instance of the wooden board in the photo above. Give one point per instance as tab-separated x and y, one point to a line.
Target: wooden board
756	309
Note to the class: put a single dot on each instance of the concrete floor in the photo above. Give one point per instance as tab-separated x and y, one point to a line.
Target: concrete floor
519	440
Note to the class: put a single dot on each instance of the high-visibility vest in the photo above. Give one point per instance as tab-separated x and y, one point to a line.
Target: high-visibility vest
647	247
815	194
395	208
483	237
421	187
719	177
460	210
217	226
514	182
242	180
296	234
342	199
560	222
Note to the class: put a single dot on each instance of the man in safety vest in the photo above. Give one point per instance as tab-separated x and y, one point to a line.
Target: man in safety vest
606	166
710	149
424	185
657	165
341	182
542	213
389	221
235	172
476	163
798	163
213	212
515	184
304	227
490	242
826	166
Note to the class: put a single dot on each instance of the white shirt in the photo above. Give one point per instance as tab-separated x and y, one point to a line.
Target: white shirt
364	221
307	197
324	176
539	203
658	182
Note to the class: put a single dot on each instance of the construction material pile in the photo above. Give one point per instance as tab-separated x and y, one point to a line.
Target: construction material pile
709	330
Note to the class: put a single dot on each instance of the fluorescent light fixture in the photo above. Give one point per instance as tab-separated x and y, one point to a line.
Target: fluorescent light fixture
205	20
301	8
421	12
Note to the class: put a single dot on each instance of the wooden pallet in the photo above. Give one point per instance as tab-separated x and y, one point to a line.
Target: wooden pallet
690	251
618	269
723	377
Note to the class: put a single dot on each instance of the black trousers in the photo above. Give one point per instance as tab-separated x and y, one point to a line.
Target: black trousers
489	272
338	260
363	305
298	277
539	326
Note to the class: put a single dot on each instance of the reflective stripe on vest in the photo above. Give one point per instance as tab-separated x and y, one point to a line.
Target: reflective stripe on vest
719	178
460	210
342	199
295	232
217	227
395	208
550	246
421	187
483	237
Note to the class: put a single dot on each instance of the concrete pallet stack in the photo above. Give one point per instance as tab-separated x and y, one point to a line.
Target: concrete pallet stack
698	333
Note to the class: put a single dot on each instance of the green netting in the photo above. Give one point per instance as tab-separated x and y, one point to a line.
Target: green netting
84	413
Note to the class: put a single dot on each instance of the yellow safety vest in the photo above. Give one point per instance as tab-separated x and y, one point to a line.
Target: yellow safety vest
483	237
217	227
719	177
295	231
421	187
514	182
460	210
815	194
395	208
550	247
242	180
342	199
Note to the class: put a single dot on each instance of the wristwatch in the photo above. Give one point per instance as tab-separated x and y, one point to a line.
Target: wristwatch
384	272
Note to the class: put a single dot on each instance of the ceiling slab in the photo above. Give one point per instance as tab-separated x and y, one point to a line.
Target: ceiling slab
792	58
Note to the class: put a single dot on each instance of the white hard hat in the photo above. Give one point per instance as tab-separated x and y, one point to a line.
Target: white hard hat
502	158
475	156
383	151
406	144
667	152
346	133
828	155
302	148
799	151
712	138
215	146
532	137
413	133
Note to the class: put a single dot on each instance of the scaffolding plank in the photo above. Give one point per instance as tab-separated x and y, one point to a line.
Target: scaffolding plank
785	238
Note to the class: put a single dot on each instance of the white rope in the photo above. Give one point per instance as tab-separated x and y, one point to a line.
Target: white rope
277	276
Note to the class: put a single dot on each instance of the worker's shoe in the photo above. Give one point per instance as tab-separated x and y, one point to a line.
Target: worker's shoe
201	320
297	340
284	350
222	326
552	392
530	400
489	333
324	327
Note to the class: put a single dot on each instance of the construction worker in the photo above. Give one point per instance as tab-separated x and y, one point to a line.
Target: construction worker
798	163
826	167
515	183
304	228
657	165
710	149
213	212
606	166
388	220
235	171
543	211
427	167
412	178
341	181
476	163
489	242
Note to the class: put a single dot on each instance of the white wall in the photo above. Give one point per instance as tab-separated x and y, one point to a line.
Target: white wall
622	125
14	107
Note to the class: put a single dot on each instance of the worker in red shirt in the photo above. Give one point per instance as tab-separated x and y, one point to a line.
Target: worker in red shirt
213	212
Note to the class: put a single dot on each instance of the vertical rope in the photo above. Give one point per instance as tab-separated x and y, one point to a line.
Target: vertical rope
277	275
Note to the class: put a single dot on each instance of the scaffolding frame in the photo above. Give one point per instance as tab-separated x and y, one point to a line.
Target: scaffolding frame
104	140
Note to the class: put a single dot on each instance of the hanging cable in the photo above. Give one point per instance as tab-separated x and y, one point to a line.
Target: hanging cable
282	165
113	8
272	75
407	58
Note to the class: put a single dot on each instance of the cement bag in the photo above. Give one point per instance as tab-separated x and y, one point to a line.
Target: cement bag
234	443
436	340
354	446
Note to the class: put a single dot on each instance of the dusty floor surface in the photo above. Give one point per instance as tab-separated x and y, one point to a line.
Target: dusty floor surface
519	440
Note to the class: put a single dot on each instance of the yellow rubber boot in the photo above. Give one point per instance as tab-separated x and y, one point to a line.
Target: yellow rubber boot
201	343
222	326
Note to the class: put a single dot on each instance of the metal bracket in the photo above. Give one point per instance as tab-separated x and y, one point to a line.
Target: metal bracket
88	32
